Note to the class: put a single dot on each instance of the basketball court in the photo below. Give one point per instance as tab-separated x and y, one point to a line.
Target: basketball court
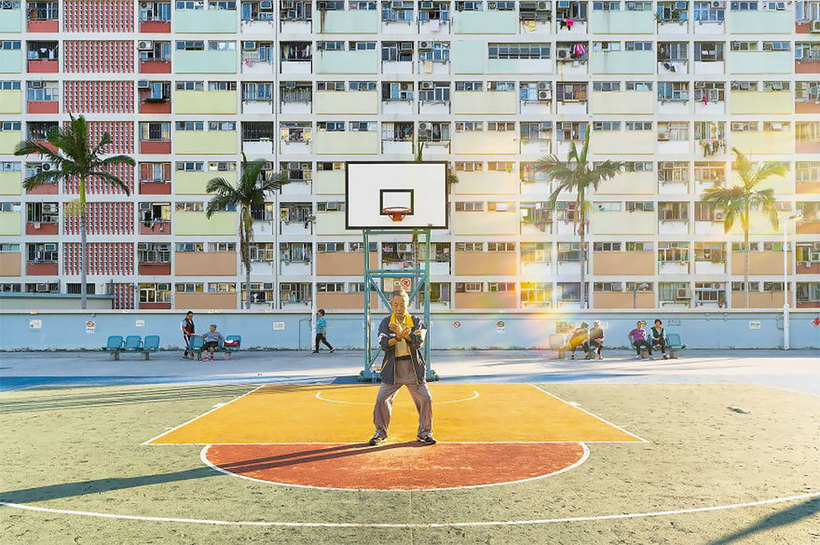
516	461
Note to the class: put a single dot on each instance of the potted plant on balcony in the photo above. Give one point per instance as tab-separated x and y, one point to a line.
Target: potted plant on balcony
249	194
74	156
738	201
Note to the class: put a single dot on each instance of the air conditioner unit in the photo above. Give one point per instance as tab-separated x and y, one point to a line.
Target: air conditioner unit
544	95
543	85
492	5
248	46
563	4
145	5
290	85
425	45
426	5
143	84
50	208
145	45
543	6
815	26
396	5
266	4
406	46
425	126
426	85
41	288
718	216
288	5
718	4
682	293
681	6
563	54
46	167
36	84
404	247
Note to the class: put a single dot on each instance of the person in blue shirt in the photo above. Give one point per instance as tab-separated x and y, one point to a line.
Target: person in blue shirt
321	332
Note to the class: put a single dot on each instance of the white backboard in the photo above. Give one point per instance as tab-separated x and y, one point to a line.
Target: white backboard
371	186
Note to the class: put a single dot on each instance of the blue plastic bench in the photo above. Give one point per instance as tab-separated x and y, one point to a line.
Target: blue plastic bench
113	346
196	346
151	344
673	343
229	350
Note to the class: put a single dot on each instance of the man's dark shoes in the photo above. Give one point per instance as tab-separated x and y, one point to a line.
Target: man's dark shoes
427	440
375	440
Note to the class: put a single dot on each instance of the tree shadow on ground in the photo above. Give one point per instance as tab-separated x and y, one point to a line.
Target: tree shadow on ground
97	486
784	517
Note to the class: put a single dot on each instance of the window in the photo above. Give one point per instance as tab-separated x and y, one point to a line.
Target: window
155	293
190	287
330	287
673	211
673	131
677	91
673	252
222	125
190	126
639	126
640	206
190	207
744	46
362	86
43	252
190	45
709	51
152	252
501	246
469	126
500	126
608	286
536	252
500	166
639	246
639	86
606	86
606	125
569	251
606	247
469	86
469	166
500	287
706	13
777	46
607	207
363	126
638	46
571	92
331	126
468	287
331	206
190	247
522	51
470	206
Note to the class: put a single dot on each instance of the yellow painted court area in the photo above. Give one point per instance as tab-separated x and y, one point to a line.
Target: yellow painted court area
462	413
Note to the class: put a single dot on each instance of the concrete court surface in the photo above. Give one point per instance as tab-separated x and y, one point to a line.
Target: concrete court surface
797	370
731	450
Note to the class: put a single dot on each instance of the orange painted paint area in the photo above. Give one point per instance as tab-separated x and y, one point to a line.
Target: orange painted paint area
395	466
462	413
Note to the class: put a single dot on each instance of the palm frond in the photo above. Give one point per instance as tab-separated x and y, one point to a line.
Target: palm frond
221	187
771	168
30	147
43	177
582	159
110	178
116	160
218	203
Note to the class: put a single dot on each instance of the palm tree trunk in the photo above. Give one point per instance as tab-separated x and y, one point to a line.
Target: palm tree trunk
582	232
244	248
83	247
247	286
746	258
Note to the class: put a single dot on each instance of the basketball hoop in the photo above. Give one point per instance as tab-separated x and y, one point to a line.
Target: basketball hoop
396	213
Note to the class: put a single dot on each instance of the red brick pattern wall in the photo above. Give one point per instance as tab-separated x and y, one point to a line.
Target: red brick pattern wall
104	218
109	97
104	187
108	258
98	16
98	57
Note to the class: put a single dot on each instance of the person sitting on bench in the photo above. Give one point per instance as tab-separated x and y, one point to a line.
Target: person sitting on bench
579	338
596	341
638	339
659	337
211	341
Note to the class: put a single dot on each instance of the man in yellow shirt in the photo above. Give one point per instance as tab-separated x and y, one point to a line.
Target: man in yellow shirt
400	337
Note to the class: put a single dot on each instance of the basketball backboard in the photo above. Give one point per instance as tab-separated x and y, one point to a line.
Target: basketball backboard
373	188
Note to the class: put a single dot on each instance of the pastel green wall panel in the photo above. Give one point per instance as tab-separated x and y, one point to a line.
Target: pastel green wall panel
348	22
205	21
205	62
11	20
205	142
11	223
11	182
761	62
623	62
11	61
468	57
347	62
762	22
485	22
11	101
9	141
622	22
205	102
194	183
195	223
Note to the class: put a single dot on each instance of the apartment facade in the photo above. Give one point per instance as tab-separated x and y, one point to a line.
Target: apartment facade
187	87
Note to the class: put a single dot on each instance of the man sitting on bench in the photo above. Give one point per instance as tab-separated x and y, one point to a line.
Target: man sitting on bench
638	339
596	341
659	337
211	339
579	338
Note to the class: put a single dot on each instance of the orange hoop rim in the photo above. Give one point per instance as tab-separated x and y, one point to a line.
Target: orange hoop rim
396	213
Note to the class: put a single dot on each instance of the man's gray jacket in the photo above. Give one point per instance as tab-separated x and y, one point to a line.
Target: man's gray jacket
414	342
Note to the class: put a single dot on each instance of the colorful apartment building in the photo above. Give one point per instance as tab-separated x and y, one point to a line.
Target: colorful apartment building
186	87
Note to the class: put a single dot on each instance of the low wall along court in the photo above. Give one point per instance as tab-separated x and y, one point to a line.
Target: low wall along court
289	330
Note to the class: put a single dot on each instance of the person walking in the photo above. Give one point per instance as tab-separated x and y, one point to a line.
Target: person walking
637	337
401	337
321	332
188	330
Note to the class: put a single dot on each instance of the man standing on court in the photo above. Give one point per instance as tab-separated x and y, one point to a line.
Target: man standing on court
188	330
400	337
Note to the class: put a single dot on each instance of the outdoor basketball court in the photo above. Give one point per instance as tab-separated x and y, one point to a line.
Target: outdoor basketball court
655	460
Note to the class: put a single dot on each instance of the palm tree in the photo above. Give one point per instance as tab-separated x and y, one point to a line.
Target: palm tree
576	176
249	194
737	202
68	148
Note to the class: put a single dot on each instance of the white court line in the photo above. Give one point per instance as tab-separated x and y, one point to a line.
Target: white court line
641	439
203	414
203	455
412	525
319	396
